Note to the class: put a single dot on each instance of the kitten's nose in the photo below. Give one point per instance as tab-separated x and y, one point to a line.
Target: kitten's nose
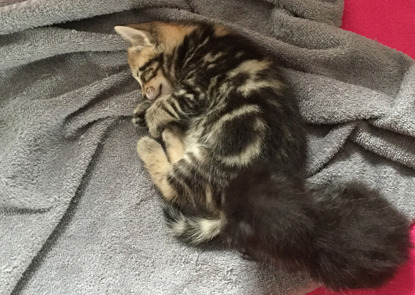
149	92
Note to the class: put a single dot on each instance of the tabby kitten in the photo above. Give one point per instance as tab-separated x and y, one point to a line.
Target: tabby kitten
235	154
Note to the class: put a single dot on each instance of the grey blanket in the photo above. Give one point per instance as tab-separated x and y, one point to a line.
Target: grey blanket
79	214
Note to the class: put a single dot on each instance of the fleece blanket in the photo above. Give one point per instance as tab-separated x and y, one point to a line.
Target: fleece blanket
79	214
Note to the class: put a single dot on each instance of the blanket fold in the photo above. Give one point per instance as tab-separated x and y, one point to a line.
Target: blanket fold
78	212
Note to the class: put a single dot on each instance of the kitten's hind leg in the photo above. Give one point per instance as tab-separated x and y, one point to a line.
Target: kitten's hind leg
174	144
155	160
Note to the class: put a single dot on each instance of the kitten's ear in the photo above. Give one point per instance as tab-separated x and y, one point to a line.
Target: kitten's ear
137	37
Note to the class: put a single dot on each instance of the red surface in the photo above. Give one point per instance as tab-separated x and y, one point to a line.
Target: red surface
402	284
390	22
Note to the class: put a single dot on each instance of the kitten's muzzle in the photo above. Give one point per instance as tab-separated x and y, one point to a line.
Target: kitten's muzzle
151	93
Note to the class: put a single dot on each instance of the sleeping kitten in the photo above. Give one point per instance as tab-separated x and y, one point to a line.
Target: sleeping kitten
235	154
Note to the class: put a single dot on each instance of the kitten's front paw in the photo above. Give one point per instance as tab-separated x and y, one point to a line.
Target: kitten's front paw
140	113
154	122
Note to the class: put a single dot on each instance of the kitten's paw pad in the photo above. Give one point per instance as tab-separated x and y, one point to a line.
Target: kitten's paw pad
140	113
147	146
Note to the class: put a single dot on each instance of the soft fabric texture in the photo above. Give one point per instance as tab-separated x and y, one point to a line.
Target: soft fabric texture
79	214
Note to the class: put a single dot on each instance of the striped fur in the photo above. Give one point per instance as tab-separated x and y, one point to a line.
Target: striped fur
234	159
227	97
191	229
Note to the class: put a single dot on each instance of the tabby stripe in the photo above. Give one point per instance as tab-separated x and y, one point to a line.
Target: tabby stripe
188	168
181	183
182	52
169	58
187	106
169	111
153	73
197	166
157	58
188	88
191	177
215	81
173	61
195	51
176	106
244	110
183	191
165	68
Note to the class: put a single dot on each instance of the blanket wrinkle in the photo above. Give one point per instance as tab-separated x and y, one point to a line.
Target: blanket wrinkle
401	118
323	145
35	13
33	45
285	25
393	146
102	102
324	11
340	104
67	95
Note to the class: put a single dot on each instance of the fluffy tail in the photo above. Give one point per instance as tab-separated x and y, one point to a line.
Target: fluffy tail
344	236
361	239
191	229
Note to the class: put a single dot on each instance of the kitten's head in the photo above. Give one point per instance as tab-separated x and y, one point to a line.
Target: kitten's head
150	44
